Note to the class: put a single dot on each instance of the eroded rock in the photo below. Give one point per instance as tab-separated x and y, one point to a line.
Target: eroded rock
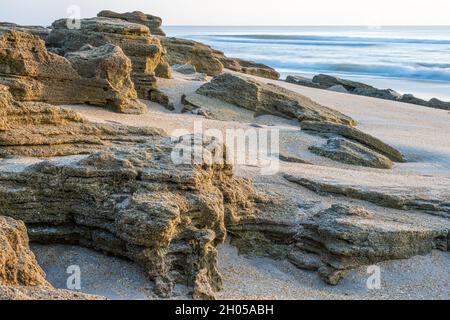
329	128
39	31
152	22
269	99
122	191
346	151
21	278
211	61
345	237
18	265
136	41
98	76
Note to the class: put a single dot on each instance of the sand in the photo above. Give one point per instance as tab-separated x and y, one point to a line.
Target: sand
244	278
422	134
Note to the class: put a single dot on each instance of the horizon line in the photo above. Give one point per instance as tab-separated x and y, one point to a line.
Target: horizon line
306	25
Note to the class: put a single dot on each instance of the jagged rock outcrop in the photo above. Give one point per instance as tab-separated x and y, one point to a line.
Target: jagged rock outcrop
269	99
18	266
350	152
152	22
120	190
210	61
41	32
136	41
21	278
250	67
202	57
161	98
42	130
303	81
182	51
336	129
98	76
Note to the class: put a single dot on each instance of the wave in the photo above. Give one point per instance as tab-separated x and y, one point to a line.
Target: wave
385	71
334	39
298	42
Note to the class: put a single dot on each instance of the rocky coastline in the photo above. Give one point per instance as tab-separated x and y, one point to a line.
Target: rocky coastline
327	82
339	201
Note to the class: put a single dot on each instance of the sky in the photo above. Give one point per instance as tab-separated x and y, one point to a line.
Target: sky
241	12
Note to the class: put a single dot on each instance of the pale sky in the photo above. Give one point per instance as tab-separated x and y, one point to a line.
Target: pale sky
243	12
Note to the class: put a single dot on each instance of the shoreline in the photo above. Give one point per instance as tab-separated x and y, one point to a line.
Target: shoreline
423	89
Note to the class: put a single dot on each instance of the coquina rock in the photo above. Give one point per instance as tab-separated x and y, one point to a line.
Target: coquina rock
269	99
143	49
210	61
18	266
41	32
152	22
250	67
345	237
182	51
332	235
350	152
120	190
202	57
21	278
98	76
323	81
335	129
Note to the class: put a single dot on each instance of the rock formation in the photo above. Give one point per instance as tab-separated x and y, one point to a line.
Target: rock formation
18	266
119	190
21	278
346	151
331	236
269	99
98	76
152	22
323	81
41	32
336	129
210	61
136	41
344	237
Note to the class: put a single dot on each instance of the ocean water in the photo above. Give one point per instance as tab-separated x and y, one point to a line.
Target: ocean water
407	59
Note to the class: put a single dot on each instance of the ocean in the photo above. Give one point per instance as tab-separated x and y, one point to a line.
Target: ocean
407	59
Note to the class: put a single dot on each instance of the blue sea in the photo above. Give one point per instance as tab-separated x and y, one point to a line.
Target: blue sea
407	59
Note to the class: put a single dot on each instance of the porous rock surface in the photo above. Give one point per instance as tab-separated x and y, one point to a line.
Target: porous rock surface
98	76
332	236
335	129
21	278
136	41
152	22
118	190
346	151
39	31
211	61
18	266
345	237
269	99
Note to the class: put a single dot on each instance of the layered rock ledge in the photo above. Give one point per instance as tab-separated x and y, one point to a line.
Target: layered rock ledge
98	76
118	190
136	41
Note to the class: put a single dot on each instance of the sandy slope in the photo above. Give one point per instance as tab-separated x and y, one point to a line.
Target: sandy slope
422	134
